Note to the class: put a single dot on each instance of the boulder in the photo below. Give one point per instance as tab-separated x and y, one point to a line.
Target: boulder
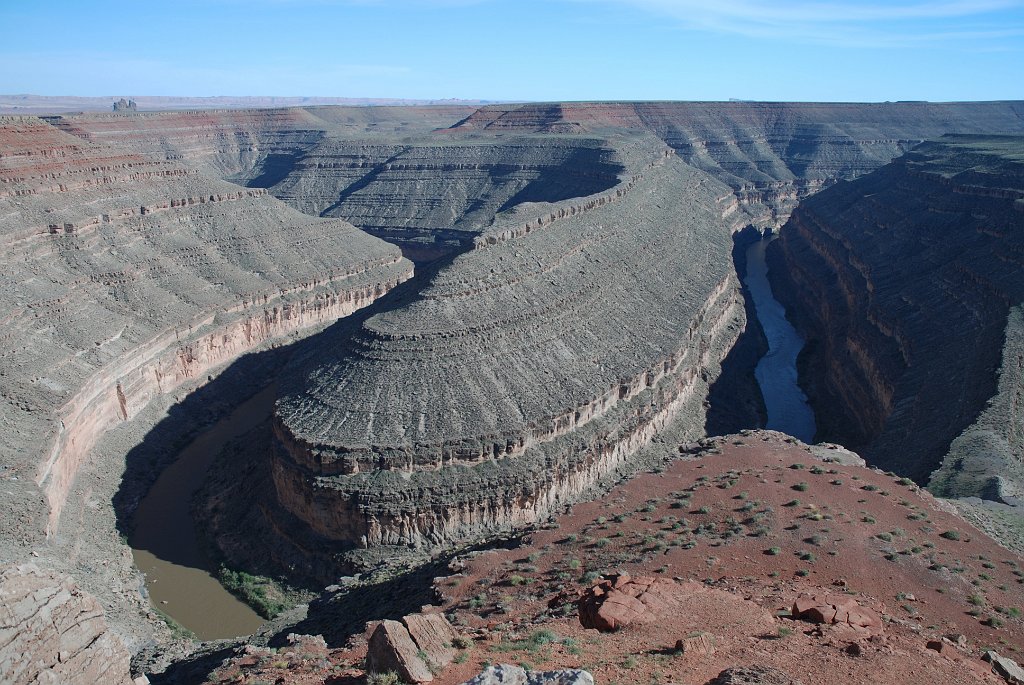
503	674
434	635
753	675
701	644
391	648
415	649
944	648
1009	669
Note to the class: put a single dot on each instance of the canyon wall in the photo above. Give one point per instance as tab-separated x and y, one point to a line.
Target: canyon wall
225	143
387	170
528	369
250	146
377	168
903	283
126	277
596	305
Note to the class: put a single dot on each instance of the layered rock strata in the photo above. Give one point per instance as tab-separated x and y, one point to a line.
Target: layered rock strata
528	369
903	283
772	154
221	143
429	188
251	146
125	278
53	632
377	168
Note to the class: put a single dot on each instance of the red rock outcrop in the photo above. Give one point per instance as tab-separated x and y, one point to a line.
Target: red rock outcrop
837	610
415	649
623	600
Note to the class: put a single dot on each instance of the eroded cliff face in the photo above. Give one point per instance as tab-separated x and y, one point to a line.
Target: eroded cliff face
255	147
987	459
903	282
126	277
528	369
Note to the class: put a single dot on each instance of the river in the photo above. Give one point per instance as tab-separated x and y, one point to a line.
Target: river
164	541
786	404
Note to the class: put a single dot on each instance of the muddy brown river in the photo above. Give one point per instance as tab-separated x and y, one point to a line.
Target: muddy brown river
179	577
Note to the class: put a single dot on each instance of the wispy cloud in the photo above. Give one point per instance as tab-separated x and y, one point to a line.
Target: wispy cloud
856	24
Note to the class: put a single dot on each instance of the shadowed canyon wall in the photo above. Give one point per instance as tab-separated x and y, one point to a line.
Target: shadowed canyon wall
903	282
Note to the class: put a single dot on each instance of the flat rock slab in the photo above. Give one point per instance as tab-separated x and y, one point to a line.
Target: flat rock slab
1007	668
53	632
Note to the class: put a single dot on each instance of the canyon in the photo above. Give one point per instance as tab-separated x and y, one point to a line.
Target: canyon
907	284
574	308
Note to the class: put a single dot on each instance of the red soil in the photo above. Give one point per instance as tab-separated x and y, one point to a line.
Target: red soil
755	521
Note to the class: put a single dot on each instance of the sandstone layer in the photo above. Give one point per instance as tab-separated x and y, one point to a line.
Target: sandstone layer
907	285
125	277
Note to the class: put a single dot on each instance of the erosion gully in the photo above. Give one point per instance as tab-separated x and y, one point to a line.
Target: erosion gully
180	579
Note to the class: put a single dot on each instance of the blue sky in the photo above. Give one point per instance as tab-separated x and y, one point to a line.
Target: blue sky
868	50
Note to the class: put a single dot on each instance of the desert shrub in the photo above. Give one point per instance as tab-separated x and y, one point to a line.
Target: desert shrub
388	678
